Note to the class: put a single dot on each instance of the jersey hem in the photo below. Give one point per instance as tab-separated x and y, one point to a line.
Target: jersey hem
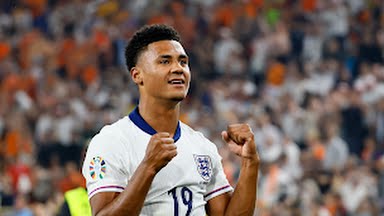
217	192
107	188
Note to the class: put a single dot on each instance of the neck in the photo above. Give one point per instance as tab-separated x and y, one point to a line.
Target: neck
161	117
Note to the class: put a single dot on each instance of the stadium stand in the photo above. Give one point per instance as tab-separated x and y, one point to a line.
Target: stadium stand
307	75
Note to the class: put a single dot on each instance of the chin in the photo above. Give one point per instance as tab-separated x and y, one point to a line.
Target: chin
177	99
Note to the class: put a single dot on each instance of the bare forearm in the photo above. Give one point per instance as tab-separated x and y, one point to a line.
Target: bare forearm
244	197
131	200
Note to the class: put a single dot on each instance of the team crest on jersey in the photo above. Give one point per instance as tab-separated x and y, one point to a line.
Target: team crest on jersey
97	168
204	166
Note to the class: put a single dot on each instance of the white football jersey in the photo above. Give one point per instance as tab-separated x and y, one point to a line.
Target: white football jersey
182	187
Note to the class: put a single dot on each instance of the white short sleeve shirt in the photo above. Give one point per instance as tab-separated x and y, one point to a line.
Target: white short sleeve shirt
182	187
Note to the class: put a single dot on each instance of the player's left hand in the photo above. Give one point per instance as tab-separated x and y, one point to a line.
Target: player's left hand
240	140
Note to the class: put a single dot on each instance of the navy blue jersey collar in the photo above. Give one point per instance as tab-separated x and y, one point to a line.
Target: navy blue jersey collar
138	120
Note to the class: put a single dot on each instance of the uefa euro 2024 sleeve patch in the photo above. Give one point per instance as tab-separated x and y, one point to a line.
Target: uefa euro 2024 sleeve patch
204	166
97	168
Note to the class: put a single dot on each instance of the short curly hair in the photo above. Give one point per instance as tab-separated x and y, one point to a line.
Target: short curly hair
145	36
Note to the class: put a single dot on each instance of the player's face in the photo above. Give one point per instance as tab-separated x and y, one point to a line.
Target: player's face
164	71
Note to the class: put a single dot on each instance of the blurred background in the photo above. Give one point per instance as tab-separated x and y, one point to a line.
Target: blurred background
307	75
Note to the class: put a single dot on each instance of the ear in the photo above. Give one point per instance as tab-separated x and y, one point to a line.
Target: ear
137	76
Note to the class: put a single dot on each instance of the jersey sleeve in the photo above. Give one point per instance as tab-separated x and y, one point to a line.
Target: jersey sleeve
103	168
219	183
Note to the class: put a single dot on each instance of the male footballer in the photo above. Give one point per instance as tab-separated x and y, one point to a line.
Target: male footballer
149	162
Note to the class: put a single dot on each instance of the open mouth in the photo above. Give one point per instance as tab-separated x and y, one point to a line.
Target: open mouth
176	81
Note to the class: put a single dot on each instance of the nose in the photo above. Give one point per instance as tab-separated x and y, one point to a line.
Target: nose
177	69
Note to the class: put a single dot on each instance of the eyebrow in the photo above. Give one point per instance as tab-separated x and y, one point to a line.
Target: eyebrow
181	56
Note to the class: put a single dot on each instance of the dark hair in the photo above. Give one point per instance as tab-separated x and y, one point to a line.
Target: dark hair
147	35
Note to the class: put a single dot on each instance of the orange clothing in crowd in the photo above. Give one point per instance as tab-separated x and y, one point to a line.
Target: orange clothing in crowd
275	74
78	58
10	83
365	16
309	5
225	15
16	82
159	18
15	143
37	6
89	74
318	151
67	46
71	181
258	3
26	41
184	118
101	39
251	8
5	49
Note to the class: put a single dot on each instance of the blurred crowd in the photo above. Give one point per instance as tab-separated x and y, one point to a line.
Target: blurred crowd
307	75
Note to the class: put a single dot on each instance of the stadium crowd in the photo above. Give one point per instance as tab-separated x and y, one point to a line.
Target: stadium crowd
307	75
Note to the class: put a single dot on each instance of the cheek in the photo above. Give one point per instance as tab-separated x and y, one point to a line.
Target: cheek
154	82
188	76
152	76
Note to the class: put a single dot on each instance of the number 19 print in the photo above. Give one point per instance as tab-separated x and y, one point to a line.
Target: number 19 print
186	197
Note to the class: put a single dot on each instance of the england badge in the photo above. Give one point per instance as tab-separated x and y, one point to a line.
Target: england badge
204	166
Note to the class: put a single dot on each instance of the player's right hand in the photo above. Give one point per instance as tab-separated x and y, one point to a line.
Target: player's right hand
160	150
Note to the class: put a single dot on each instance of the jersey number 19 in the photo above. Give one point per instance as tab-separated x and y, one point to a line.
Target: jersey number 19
186	197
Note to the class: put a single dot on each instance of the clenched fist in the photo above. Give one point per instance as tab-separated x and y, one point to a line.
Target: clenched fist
240	140
160	150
